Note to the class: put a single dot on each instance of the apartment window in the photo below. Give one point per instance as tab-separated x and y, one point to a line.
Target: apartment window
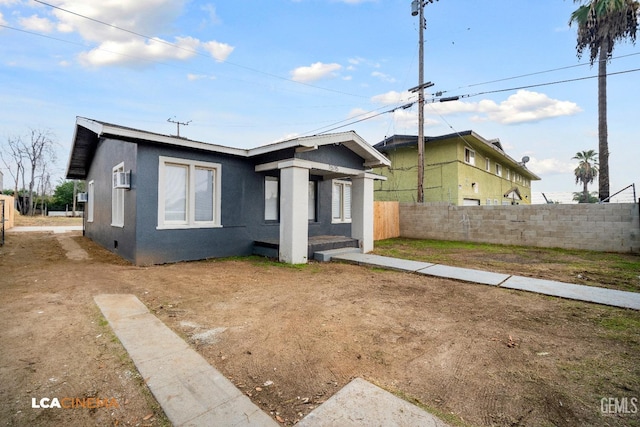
469	156
188	193
90	200
341	201
508	174
487	165
271	198
117	198
498	169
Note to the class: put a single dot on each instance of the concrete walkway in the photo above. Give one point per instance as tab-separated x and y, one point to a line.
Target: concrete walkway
50	228
193	393
592	294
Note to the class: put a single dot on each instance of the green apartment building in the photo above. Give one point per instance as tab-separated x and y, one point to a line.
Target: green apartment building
459	168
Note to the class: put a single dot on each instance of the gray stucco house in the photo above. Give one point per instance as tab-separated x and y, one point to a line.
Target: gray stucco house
155	198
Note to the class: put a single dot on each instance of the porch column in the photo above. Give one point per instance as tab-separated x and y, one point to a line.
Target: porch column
362	211
294	212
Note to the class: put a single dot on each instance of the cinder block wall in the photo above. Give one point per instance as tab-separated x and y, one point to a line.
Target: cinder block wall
608	227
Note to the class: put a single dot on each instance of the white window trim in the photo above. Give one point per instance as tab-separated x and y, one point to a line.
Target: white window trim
342	219
91	197
487	165
117	195
191	196
472	156
498	169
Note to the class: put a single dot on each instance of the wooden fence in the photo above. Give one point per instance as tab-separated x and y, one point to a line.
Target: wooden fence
386	220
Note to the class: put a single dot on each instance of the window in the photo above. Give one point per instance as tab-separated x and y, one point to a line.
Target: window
488	202
188	193
117	198
508	174
498	169
469	156
90	200
271	198
487	165
341	201
312	201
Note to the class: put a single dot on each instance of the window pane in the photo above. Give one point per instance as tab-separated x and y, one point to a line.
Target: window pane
175	195
271	198
347	201
204	194
336	201
312	201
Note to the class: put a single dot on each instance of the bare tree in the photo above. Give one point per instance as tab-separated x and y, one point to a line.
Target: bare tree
37	153
13	158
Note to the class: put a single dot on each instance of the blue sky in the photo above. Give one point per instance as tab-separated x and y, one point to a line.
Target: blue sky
248	73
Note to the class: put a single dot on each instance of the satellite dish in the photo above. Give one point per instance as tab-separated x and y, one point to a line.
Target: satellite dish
525	159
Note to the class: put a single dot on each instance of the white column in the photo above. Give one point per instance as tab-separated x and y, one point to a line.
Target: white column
294	221
362	211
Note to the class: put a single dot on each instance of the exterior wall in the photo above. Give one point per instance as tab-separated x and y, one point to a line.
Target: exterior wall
601	227
447	177
121	240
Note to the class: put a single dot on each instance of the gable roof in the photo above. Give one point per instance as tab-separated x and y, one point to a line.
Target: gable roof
469	137
88	132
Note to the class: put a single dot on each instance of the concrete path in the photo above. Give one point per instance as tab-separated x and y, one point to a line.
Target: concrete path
193	393
361	403
190	391
592	294
51	228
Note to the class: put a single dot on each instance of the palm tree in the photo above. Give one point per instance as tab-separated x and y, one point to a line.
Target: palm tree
602	23
586	171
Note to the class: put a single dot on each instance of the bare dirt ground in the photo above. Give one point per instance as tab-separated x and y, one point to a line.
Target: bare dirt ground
290	337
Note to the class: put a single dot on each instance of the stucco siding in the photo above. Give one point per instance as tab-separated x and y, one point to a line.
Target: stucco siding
120	240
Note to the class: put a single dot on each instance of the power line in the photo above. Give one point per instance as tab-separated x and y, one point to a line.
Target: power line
539	72
410	104
207	55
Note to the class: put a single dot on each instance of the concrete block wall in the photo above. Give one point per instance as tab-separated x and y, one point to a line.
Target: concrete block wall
607	227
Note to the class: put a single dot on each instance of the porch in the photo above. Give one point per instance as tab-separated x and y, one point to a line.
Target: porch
271	247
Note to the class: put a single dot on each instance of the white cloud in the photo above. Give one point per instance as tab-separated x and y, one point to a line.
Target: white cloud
393	97
36	23
149	17
194	77
314	72
210	9
550	166
220	51
523	106
2	21
384	77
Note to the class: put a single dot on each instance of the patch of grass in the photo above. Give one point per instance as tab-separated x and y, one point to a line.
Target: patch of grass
447	417
610	270
621	324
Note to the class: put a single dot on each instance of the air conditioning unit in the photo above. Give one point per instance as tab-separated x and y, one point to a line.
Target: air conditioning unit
122	180
82	197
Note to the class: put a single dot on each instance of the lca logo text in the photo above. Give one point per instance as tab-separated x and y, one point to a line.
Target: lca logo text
73	403
620	406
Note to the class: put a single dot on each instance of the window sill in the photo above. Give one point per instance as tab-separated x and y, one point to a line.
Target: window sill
186	226
347	221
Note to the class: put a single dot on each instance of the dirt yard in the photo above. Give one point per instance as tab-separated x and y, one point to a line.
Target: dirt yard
290	337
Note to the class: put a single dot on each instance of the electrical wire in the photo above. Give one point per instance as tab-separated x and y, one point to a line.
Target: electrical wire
207	55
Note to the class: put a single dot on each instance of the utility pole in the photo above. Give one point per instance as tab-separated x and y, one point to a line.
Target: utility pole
178	125
417	8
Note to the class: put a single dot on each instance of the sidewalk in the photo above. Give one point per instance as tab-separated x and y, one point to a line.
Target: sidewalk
591	294
51	228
